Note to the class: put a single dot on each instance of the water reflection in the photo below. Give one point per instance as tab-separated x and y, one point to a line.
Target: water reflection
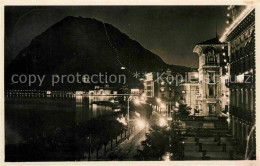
27	117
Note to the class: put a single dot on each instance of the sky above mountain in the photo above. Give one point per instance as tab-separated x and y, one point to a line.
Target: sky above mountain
168	31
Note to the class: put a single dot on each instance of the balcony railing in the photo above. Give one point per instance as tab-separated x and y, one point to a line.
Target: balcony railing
211	64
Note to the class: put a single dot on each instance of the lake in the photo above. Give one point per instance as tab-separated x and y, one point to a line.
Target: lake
31	117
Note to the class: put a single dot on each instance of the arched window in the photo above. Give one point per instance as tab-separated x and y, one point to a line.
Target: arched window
210	55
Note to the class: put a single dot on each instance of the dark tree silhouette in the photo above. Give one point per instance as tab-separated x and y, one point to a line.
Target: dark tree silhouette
155	145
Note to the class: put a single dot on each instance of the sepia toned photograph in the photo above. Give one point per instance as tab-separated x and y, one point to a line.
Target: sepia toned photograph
129	83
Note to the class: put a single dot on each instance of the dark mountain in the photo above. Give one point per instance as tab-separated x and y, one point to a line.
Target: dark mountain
85	46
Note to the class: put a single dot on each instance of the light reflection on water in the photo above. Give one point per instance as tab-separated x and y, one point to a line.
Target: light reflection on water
29	117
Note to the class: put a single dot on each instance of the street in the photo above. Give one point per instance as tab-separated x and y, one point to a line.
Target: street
128	148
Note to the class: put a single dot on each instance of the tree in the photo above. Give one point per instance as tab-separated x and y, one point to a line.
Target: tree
175	142
155	145
183	110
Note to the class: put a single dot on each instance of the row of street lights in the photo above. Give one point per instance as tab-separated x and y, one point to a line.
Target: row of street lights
140	123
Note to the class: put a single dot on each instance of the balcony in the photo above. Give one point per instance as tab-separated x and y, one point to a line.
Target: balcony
211	64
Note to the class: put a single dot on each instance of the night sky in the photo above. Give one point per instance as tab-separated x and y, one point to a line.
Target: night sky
168	31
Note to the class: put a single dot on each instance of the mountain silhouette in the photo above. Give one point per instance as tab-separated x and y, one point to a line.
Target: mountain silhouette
86	46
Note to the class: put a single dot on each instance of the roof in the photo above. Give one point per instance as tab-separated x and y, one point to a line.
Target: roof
214	40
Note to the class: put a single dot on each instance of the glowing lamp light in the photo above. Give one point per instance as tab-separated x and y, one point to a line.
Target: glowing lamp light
227	22
243	14
162	122
228	15
228	120
166	157
158	100
163	106
140	124
136	101
240	78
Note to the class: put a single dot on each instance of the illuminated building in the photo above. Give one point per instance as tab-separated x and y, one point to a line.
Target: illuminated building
240	36
190	91
149	85
160	85
212	67
164	87
135	91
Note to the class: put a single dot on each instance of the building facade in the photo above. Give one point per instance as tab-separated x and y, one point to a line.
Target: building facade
164	86
240	36
149	85
212	67
159	85
190	92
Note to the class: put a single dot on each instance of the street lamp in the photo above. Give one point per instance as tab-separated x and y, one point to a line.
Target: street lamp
140	123
162	122
137	101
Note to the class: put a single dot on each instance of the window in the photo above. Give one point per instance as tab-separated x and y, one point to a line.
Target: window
211	77
211	58
211	91
211	109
